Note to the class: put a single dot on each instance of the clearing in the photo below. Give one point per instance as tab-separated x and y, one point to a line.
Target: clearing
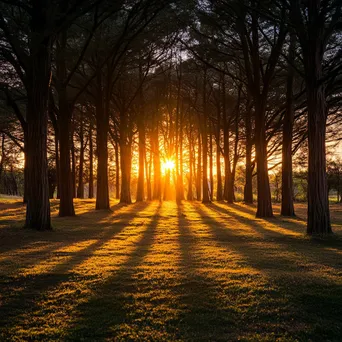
158	271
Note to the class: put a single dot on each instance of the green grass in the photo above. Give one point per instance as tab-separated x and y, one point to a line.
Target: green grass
161	272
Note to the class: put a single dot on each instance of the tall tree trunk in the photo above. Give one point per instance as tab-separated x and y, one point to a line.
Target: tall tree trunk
199	169
167	186
190	195
57	166
142	138
25	167
206	197
141	176
235	161
102	125
180	183
2	161
156	159
148	170
13	182
318	201
80	188
91	161
126	159
73	164
38	79
287	207
314	43
66	187
264	208
117	171
248	189
211	175
228	195
236	143
66	206
219	192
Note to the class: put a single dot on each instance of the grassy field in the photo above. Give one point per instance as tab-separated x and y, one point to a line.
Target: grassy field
154	272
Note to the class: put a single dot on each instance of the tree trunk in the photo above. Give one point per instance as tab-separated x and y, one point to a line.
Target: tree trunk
2	161
156	160
228	187
80	188
228	194
206	195
25	168
14	185
205	198
91	161
126	159
102	125
66	206
318	201
167	186
199	170
264	208
190	195
73	167
287	207
57	166
38	78
142	138
180	184
236	143
66	187
219	192
248	189
148	170
141	176
211	176
313	46
117	171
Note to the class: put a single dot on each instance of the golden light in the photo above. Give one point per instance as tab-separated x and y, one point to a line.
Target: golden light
168	165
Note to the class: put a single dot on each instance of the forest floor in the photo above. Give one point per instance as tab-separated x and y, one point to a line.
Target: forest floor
158	272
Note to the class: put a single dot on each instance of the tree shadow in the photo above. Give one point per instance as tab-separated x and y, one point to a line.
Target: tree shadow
22	292
238	213
78	228
100	317
291	271
306	248
205	316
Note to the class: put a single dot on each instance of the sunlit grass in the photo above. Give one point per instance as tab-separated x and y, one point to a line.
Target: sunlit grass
162	271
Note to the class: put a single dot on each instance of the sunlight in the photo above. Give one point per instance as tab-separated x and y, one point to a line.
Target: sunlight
168	165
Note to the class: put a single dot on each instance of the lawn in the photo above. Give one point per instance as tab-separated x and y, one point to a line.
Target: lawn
162	271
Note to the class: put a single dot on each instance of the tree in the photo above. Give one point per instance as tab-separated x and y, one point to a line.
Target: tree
287	207
29	53
315	23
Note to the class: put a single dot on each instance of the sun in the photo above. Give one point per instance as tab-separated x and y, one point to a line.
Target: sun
168	165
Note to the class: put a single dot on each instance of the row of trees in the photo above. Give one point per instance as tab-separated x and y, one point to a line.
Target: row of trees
206	86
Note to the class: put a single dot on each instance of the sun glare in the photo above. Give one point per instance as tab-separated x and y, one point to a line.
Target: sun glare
168	165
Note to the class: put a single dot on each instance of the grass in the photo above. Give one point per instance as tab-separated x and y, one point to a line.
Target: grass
161	272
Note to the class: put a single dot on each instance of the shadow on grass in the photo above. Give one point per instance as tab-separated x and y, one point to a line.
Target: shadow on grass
289	240
301	248
102	315
78	228
213	299
312	301
22	292
205	317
